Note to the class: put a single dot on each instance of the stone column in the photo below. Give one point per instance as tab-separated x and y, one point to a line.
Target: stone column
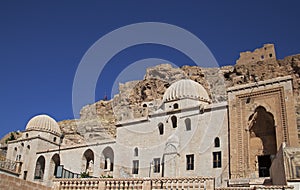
56	185
210	184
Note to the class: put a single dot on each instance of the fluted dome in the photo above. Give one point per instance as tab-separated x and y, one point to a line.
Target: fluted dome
43	123
186	88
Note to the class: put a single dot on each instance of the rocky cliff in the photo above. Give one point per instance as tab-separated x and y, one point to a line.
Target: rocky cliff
97	121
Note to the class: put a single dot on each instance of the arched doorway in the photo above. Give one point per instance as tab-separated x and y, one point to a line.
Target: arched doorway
54	163
39	168
169	161
107	163
88	162
262	136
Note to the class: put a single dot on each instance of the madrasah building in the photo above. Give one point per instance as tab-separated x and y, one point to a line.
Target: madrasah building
247	139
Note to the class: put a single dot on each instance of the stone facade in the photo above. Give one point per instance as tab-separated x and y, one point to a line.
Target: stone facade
262	117
227	123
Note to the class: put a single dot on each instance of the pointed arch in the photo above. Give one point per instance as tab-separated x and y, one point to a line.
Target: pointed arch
88	161
108	156
40	168
263	142
54	163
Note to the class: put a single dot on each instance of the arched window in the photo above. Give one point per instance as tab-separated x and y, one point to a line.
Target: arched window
174	121
161	128
108	156
175	106
39	168
54	163
217	142
88	161
136	151
188	124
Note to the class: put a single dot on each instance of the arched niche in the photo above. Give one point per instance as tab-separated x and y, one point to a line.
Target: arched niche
88	161
262	139
54	163
107	161
40	168
170	161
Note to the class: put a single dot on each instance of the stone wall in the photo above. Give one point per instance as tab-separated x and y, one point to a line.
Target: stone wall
267	52
13	183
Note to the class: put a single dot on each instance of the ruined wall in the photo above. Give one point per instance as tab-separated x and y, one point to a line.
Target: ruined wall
267	52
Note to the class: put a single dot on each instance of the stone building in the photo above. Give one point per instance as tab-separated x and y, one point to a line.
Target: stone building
243	137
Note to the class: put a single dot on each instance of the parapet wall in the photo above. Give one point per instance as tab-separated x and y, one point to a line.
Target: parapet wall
13	183
267	52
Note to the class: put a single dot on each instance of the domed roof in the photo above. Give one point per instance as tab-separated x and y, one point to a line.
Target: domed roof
43	123
186	88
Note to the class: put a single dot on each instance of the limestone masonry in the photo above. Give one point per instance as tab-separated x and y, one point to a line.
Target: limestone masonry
187	128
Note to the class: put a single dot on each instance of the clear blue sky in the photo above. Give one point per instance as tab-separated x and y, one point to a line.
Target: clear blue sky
42	43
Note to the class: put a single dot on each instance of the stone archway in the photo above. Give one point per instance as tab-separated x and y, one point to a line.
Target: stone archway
88	161
54	163
39	168
107	159
169	161
262	141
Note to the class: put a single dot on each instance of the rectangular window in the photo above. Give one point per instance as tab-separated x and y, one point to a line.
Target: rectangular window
190	162
156	168
135	168
217	160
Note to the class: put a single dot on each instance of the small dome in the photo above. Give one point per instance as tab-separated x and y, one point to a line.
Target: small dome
186	88
43	123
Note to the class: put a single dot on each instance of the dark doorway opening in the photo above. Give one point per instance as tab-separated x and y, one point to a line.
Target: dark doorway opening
264	164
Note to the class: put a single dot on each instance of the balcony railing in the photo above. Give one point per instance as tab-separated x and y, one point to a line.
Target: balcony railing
9	165
135	183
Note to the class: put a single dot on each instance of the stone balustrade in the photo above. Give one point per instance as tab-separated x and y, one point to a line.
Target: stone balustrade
273	187
10	165
135	183
180	183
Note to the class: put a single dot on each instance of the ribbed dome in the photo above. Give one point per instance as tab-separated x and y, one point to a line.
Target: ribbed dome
43	123
186	88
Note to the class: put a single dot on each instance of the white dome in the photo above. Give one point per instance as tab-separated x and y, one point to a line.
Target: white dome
186	88
43	123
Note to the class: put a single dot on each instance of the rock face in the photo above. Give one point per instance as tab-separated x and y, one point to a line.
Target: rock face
97	121
136	98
